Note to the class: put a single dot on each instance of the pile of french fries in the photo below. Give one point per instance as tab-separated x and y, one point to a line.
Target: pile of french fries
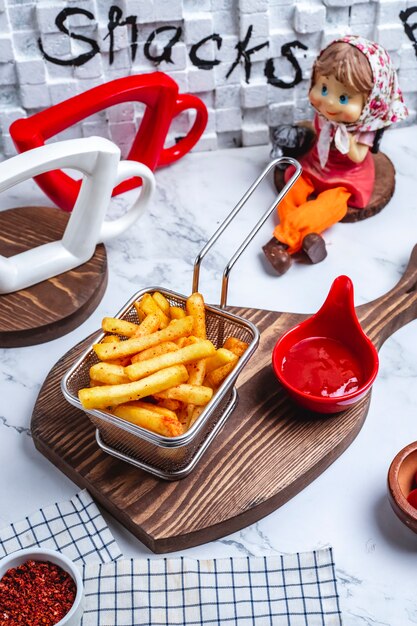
163	375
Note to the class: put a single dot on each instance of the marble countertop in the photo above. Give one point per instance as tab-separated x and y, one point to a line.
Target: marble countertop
347	506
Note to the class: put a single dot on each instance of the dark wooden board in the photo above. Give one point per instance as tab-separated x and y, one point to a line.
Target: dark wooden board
381	195
266	453
53	307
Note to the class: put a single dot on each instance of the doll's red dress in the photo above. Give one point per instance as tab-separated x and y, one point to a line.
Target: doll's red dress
341	171
321	195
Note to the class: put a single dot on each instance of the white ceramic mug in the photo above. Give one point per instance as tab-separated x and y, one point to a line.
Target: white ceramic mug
98	159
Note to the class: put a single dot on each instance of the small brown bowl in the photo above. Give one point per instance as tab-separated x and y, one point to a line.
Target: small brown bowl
400	482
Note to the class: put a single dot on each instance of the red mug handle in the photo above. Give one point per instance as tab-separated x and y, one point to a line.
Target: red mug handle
157	90
185	144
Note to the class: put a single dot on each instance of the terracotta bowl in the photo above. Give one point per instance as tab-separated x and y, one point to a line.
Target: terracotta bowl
74	615
400	482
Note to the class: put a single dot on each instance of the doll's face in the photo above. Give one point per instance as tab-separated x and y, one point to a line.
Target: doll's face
336	102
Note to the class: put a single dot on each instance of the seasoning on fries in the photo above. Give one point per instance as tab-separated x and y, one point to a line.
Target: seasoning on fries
160	371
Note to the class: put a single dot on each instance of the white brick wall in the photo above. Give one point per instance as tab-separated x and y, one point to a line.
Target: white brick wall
242	102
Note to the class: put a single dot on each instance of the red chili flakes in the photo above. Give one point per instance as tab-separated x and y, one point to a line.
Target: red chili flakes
36	593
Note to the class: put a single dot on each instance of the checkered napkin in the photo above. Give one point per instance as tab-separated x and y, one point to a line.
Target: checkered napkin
288	590
76	528
291	590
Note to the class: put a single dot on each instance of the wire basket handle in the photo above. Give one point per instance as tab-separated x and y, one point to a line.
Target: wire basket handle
257	227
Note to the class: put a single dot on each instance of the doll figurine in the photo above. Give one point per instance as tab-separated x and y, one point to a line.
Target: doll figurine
354	92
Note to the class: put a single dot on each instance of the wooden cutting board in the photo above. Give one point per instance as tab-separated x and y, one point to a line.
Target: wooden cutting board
53	307
266	453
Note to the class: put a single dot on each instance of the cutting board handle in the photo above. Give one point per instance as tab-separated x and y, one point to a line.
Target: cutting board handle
382	317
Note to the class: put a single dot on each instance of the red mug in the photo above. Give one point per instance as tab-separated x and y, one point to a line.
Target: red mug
157	91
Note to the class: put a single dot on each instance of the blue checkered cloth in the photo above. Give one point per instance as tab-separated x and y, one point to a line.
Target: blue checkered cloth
291	590
288	590
76	528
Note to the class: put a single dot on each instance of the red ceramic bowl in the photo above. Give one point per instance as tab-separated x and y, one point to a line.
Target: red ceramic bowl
401	477
327	363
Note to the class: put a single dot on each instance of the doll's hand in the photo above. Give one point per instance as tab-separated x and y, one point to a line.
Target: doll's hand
357	151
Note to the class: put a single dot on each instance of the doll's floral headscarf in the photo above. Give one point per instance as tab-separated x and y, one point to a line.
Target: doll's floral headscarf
385	104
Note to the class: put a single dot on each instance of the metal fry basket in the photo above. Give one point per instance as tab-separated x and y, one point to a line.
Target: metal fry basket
172	458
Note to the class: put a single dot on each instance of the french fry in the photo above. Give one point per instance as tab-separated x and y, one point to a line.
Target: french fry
222	357
235	345
123	361
196	374
140	314
110	339
195	351
176	329
162	348
172	405
215	378
149	325
141	404
162	302
192	394
112	395
149	306
176	312
197	411
192	339
196	371
167	426
187	341
118	326
195	307
109	374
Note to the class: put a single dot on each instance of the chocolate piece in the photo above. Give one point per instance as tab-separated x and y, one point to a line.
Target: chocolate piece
291	140
314	247
277	255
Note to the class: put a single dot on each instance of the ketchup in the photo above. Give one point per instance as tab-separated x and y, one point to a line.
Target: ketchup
320	366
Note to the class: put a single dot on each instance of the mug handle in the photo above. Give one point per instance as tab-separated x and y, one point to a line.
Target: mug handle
185	144
126	170
156	90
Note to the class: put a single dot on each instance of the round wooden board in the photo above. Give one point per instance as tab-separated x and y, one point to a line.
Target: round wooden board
268	450
381	195
53	307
